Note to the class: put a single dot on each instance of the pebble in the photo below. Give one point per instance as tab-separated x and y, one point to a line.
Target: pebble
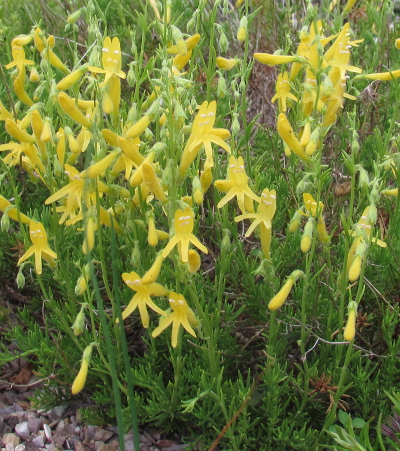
34	425
10	438
22	430
47	431
38	441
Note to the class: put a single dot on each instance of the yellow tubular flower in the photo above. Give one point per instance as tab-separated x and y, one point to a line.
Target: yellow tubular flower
15	131
12	212
206	179
282	91
138	128
203	134
183	224
226	64
181	314
194	261
286	133
153	182
71	79
278	300
384	76
4	113
142	298
60	150
40	248
21	93
190	44
111	59
37	127
272	60
80	379
70	108
52	58
236	185
152	237
46	135
265	212
152	274
350	329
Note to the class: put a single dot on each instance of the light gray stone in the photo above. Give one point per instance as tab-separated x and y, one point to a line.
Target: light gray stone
38	441
22	430
11	438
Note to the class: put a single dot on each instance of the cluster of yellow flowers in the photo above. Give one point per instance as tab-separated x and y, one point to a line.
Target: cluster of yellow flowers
320	98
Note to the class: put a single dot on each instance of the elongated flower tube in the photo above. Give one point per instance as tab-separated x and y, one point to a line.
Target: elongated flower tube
182	315
16	132
138	128
80	379
383	76
226	64
278	300
272	60
69	106
72	78
286	133
19	89
98	168
183	224
350	329
40	248
4	113
152	274
12	212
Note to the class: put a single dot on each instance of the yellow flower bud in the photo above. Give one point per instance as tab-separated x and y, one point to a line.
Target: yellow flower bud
241	34
397	43
19	89
71	79
152	237
15	131
68	105
138	128
306	240
206	178
226	64
194	261
350	329
34	76
286	133
295	222
278	300
355	268
80	379
153	273
306	135
46	135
